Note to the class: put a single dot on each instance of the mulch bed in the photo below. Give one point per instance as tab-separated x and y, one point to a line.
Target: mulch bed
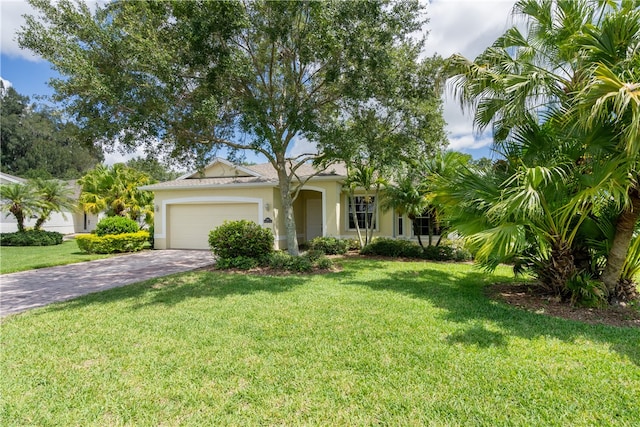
530	299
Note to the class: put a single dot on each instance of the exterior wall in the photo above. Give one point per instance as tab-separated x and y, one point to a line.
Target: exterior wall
164	198
334	210
387	224
67	223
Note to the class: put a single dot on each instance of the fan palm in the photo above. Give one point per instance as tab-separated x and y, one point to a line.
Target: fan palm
407	196
576	69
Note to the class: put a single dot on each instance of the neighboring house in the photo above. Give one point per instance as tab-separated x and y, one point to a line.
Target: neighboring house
65	223
187	208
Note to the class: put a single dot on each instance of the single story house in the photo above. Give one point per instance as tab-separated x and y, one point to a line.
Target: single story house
187	208
65	222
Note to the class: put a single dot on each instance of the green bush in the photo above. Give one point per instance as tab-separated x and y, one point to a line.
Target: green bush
241	239
240	262
392	248
329	245
31	238
324	263
407	249
113	243
353	244
116	225
279	260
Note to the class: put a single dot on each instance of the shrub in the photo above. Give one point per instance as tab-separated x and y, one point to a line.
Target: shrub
324	263
31	238
241	239
314	255
116	225
438	253
353	244
407	249
392	248
113	243
240	262
278	261
329	245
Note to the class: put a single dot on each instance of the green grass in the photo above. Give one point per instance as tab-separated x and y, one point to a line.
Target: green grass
21	258
380	343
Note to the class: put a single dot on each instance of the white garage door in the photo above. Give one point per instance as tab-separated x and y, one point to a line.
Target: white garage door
189	225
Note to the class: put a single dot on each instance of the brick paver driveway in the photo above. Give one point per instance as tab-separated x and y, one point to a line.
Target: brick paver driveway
36	288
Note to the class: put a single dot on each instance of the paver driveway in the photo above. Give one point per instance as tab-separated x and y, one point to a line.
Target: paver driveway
36	288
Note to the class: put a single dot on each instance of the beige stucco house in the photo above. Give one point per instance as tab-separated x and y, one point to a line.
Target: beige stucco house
187	208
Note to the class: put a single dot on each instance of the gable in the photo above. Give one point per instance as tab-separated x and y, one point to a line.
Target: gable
221	168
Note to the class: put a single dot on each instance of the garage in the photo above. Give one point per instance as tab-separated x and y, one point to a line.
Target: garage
189	224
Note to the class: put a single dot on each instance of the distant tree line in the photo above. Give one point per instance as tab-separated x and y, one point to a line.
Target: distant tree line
38	143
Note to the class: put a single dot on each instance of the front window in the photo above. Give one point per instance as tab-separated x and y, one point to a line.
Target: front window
428	220
364	207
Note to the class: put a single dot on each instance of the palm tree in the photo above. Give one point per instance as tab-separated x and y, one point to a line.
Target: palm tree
575	69
366	177
53	196
407	196
115	190
19	200
611	99
94	190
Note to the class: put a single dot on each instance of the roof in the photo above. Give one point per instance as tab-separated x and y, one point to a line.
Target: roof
11	179
218	174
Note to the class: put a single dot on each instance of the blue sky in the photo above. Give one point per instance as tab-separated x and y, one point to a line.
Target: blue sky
463	26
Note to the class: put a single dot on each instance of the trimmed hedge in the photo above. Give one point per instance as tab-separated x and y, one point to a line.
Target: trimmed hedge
113	243
116	225
408	249
31	238
243	238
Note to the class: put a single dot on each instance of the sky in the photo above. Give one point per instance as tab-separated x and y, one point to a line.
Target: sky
455	26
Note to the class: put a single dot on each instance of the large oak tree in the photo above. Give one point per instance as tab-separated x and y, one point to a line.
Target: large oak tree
193	77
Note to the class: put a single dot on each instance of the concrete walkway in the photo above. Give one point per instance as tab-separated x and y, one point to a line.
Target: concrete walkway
36	288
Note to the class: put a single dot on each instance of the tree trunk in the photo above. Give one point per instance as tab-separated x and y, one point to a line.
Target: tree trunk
625	225
555	272
416	231
430	227
354	215
287	207
19	218
41	220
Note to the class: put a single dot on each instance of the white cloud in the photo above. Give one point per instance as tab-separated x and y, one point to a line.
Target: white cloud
11	20
466	27
6	84
301	146
469	142
117	154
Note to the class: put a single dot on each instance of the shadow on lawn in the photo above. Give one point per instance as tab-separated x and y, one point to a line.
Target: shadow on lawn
462	296
176	288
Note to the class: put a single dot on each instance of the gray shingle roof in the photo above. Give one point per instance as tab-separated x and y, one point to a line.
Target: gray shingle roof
267	176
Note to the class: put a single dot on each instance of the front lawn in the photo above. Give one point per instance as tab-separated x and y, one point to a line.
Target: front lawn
379	343
20	258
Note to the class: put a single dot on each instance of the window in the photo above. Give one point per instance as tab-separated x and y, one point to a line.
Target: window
400	225
423	222
363	206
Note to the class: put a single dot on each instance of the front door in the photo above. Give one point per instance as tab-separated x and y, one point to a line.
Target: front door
314	218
